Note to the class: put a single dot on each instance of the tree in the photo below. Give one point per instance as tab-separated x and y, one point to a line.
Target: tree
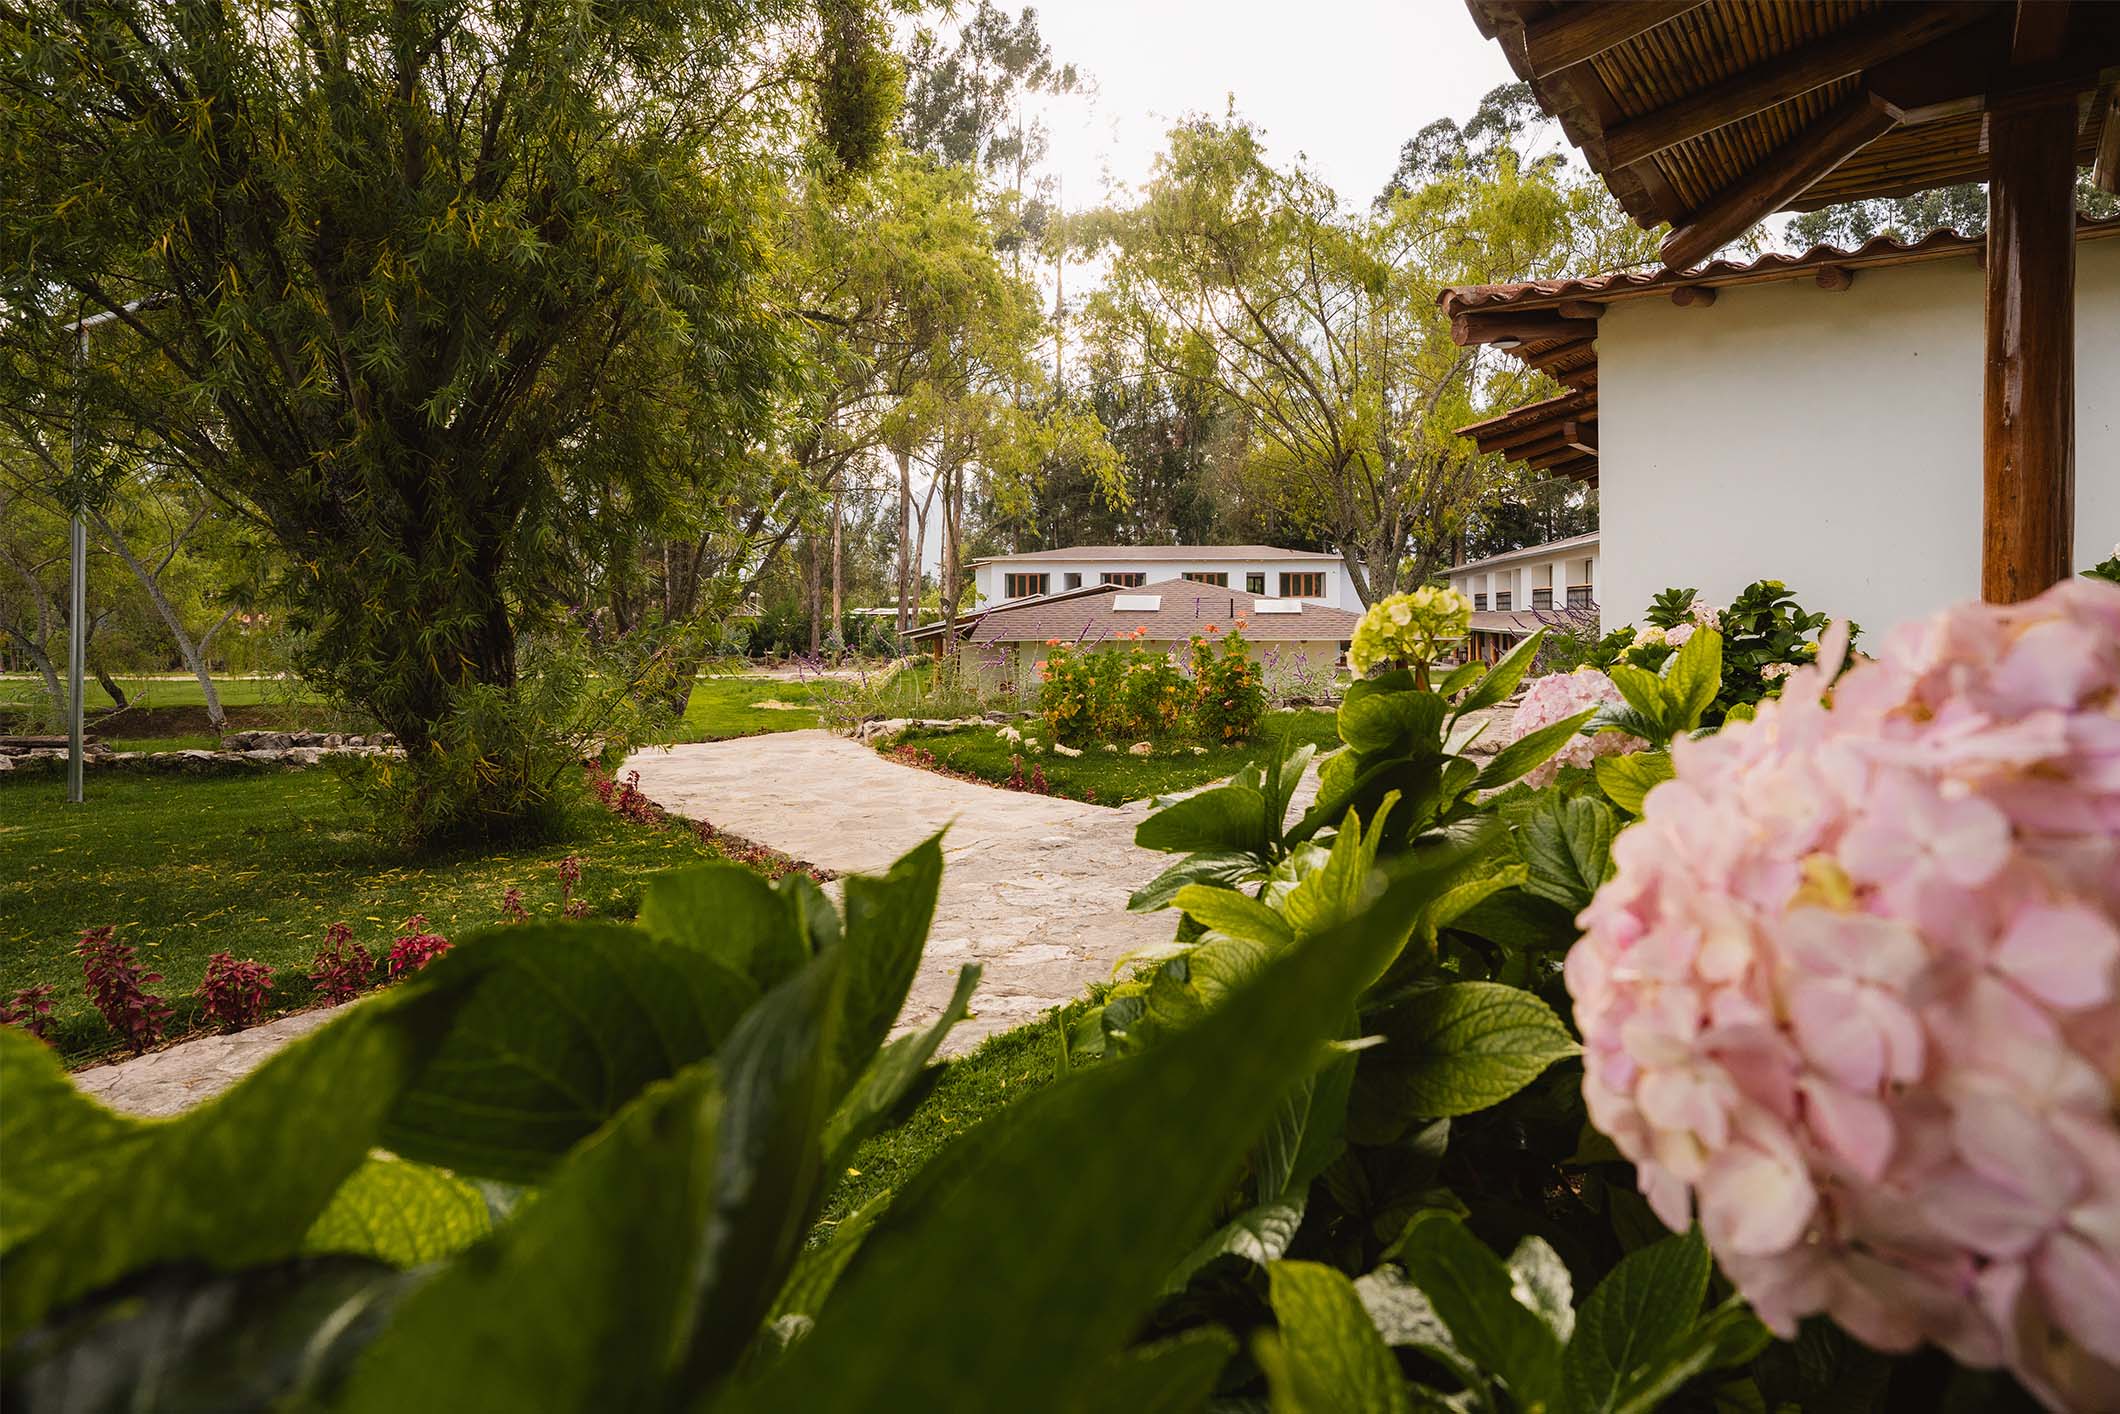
1321	327
1961	208
428	282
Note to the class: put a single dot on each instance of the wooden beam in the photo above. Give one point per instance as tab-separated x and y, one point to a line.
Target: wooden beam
1701	295
1581	435
2029	432
1579	309
1835	277
1783	175
2039	31
1891	31
1488	328
1549	357
1588	28
2105	167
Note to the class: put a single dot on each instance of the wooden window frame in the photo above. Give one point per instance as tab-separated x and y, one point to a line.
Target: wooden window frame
1295	584
1125	579
1011	582
1255	584
1218	578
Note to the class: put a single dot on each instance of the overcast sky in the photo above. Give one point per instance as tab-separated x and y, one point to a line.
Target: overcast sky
1342	82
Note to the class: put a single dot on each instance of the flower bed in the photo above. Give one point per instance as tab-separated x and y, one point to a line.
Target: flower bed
1089	696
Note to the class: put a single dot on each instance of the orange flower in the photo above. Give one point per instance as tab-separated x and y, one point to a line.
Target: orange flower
1052	643
1212	629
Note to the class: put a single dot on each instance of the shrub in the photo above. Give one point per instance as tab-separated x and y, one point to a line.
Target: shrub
342	968
30	1009
1228	688
232	995
512	909
117	988
415	948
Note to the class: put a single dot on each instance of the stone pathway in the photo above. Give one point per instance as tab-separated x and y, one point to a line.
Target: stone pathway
164	1082
1033	888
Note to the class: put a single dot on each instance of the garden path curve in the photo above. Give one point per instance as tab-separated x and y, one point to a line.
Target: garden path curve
1033	888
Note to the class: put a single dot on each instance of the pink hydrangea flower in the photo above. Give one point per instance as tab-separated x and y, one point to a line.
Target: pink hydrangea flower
1852	998
1560	695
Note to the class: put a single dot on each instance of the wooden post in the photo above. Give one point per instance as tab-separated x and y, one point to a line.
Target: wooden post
2029	501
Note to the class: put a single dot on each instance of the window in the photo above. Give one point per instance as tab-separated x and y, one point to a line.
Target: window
1255	584
1578	596
1020	586
1501	599
1218	579
1072	581
1133	580
1479	601
1541	598
1303	586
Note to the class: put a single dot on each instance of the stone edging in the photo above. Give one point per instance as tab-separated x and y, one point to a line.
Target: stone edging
240	751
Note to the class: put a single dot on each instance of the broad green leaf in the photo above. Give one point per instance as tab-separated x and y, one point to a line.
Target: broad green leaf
1185	988
1502	678
580	1302
1404	1317
818	1269
1540	1280
1691	681
1530	751
1460	678
1258	1235
1224	868
1374	721
1330	895
889	1076
1335	1361
1633	1319
1728	1336
1627	780
1280	782
1471	1290
1619	717
813	912
1519	921
1174	1376
1224	820
1060	1173
1567	847
56	1141
1459	1048
1236	915
1308	1132
400	1212
562	1026
733	915
267	1337
1643	691
886	928
238	1180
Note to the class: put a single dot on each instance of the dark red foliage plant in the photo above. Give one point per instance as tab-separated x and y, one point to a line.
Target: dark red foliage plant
30	1009
623	798
118	988
415	948
512	906
233	994
342	966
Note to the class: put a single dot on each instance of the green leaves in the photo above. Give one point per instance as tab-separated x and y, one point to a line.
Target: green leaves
1331	1358
1530	751
1221	867
401	1213
1634	1318
1472	1292
1227	819
1257	1235
1458	1048
57	1140
1238	915
1627	780
1691	680
1376	717
1502	678
731	915
1567	848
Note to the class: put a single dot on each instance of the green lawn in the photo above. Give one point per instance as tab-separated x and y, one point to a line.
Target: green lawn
169	691
257	866
726	706
1111	778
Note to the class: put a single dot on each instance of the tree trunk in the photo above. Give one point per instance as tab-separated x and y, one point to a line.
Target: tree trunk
813	569
838	578
191	652
118	697
906	549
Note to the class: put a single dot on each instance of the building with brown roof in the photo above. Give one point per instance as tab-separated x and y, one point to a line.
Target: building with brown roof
1287	636
1263	570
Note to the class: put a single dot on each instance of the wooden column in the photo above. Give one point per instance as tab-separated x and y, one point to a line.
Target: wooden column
2030	424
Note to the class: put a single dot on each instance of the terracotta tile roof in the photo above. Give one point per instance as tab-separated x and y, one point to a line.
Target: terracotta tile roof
1161	554
1185	609
1635	284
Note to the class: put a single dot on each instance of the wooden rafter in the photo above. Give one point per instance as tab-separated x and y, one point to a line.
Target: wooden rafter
1583	31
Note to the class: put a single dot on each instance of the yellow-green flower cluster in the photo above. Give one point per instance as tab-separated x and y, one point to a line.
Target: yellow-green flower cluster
1410	627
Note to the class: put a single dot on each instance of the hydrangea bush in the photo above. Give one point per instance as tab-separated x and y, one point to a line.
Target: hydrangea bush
1414	628
1556	696
1850	997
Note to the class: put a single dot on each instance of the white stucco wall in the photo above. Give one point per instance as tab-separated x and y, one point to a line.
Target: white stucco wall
1521	573
988	579
1829	440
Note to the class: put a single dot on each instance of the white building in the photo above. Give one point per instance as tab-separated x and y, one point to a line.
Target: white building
1260	571
1507	589
1814	419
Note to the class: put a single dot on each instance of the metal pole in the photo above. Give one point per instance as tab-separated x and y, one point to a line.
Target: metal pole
77	611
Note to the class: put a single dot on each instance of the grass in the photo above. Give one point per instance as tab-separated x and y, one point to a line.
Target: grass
258	866
1111	778
167	691
1005	1068
725	706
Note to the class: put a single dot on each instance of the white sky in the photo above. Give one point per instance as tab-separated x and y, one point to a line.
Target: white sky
1342	82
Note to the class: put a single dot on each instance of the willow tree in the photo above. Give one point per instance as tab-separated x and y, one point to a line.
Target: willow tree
1319	324
425	283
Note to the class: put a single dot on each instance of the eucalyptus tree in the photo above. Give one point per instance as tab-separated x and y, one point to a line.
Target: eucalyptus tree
427	282
1319	324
